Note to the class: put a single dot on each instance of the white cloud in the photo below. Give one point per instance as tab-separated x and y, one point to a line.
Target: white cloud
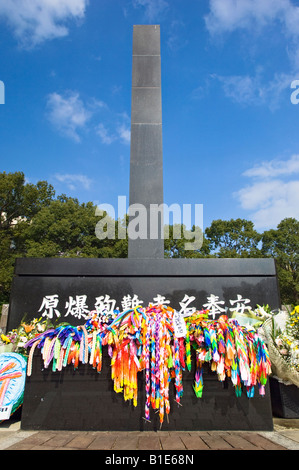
241	89
273	193
229	15
259	194
124	133
105	135
274	168
70	116
153	8
72	181
253	90
270	202
176	35
121	133
67	113
34	21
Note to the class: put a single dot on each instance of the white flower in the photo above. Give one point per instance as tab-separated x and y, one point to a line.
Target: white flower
22	342
278	341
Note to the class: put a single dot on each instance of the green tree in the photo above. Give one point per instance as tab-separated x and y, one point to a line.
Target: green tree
34	224
66	228
235	238
283	245
177	239
21	200
19	203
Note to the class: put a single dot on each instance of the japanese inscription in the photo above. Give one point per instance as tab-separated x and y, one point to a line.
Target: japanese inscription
79	306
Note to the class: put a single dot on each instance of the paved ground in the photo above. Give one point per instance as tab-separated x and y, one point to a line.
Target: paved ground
285	436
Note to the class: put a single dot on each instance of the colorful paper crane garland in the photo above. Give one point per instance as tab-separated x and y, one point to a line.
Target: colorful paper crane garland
143	339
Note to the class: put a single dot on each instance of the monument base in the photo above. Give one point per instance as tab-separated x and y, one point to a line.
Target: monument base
84	400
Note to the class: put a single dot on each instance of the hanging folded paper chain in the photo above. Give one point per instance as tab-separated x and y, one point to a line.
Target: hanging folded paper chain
158	340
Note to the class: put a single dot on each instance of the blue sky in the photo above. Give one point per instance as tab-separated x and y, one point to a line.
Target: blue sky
230	130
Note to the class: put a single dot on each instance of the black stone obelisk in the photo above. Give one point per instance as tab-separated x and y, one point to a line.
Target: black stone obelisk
146	166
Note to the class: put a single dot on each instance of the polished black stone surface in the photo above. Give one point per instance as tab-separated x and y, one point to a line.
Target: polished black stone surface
83	399
35	279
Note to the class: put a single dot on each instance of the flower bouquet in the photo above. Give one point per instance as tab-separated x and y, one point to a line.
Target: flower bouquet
282	337
283	344
14	340
253	318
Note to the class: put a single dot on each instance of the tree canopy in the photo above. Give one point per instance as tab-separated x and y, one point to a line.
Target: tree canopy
283	245
235	238
36	223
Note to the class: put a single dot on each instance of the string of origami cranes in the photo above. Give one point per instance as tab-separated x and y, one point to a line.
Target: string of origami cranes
145	339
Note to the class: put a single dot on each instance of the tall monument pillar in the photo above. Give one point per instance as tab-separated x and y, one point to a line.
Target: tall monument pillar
146	166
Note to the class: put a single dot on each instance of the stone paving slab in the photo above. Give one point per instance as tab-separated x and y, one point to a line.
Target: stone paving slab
291	434
155	441
284	437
